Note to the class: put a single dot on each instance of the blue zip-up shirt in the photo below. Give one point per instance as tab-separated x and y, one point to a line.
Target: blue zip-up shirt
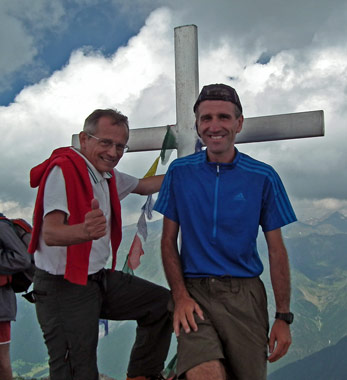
219	208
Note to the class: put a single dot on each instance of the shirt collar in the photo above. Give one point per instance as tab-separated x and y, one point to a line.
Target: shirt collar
222	164
94	173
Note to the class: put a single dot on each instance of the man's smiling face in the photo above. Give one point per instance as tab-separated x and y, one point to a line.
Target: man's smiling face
217	127
104	159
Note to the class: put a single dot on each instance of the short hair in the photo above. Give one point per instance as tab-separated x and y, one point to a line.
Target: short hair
238	112
116	117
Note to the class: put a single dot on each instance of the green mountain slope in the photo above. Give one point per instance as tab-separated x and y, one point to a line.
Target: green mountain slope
318	257
319	285
329	363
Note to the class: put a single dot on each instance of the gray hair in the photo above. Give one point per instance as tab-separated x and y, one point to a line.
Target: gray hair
116	117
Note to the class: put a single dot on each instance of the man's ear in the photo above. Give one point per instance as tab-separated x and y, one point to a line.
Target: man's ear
240	124
196	127
83	137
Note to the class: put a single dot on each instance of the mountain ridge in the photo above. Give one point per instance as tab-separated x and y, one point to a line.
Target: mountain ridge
318	261
328	363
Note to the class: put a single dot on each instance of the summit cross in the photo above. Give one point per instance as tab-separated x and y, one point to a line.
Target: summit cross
255	129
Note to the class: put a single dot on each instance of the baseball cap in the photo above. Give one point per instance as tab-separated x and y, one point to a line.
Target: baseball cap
218	91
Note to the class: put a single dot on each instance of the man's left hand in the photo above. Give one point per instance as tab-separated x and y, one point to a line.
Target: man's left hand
280	340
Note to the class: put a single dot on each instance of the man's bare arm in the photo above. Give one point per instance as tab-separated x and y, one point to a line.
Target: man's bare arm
57	233
185	306
280	337
149	185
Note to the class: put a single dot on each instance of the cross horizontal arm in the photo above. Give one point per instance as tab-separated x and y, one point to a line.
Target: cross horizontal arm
151	138
255	129
282	127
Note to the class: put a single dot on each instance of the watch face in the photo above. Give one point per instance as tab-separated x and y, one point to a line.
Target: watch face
287	317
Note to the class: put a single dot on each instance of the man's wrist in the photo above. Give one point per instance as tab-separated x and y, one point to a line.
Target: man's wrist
286	317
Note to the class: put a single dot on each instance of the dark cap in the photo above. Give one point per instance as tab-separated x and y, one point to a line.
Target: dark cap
218	91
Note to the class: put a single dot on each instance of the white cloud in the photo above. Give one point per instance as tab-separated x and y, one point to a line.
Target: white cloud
138	79
44	116
13	209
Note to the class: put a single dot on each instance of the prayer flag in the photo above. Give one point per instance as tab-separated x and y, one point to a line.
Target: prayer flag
153	169
142	226
148	207
126	268
169	141
135	253
169	372
105	323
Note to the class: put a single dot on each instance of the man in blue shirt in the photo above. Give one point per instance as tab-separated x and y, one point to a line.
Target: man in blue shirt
218	198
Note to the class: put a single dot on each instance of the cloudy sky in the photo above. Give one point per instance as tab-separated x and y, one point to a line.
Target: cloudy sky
62	59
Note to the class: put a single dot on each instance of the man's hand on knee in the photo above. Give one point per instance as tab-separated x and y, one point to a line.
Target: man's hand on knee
185	308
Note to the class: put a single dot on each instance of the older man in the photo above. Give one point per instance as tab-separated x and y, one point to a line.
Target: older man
77	216
218	198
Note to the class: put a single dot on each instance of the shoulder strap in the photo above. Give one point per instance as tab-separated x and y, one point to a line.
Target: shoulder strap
4	219
22	223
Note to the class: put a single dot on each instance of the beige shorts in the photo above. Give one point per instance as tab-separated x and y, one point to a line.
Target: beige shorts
235	329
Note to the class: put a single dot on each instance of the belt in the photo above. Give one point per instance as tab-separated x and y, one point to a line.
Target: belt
99	277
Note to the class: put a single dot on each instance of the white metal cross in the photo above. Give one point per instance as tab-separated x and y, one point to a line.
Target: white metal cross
255	129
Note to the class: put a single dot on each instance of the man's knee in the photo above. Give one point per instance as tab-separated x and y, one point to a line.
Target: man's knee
211	370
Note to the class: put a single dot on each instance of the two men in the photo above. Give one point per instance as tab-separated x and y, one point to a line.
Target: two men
77	216
219	198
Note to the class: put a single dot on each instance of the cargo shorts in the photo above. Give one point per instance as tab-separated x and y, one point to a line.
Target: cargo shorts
234	330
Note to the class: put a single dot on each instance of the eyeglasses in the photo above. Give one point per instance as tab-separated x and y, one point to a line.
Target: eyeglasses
108	144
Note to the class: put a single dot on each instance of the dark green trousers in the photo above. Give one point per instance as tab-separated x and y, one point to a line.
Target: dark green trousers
69	318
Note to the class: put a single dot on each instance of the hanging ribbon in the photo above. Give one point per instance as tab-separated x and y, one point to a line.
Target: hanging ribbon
169	372
169	141
136	249
105	323
153	169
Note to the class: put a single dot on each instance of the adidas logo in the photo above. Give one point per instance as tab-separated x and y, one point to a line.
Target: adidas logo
239	197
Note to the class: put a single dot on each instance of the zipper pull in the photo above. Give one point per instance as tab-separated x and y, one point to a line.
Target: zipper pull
217	170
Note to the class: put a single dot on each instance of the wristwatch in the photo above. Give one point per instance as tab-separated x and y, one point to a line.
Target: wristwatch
286	317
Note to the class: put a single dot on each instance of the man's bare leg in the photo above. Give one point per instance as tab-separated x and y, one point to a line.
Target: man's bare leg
5	362
212	370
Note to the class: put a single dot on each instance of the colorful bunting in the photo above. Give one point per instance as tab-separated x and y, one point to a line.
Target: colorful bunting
142	226
105	323
148	207
169	141
153	169
135	253
169	372
126	268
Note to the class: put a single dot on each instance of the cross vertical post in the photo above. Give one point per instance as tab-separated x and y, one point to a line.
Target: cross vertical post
187	86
